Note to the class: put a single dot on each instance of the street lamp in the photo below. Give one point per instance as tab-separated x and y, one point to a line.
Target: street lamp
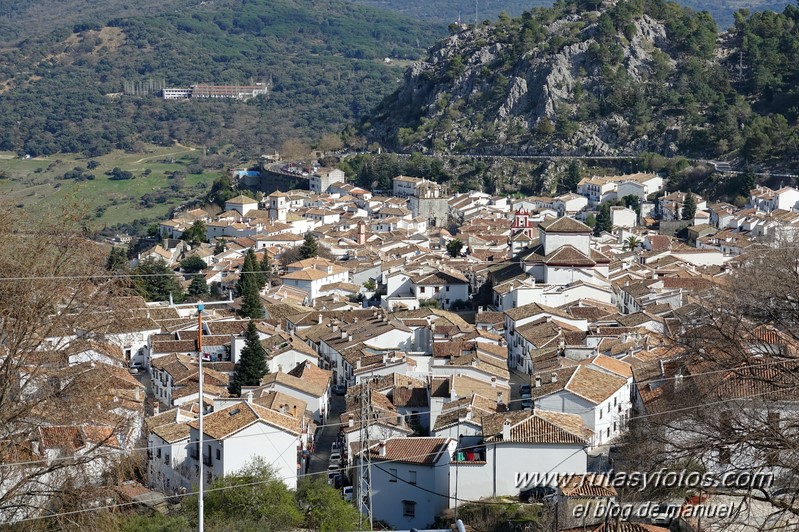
200	308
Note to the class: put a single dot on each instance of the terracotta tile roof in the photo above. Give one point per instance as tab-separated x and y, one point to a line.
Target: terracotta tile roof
439	387
594	385
588	485
568	255
564	224
541	426
525	311
228	421
280	402
172	432
409	397
620	368
312	373
313	388
226	327
422	451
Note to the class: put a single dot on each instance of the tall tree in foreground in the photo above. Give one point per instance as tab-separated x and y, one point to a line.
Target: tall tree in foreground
309	248
323	507
252	499
252	362
40	315
725	400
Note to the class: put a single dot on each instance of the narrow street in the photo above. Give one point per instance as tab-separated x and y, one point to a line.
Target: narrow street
325	436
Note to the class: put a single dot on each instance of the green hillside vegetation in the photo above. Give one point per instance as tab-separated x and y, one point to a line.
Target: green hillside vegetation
323	59
685	100
115	189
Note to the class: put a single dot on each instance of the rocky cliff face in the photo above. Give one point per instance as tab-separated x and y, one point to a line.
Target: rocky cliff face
576	83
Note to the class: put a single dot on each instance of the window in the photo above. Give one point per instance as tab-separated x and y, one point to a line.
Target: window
392	475
409	508
412	477
600	414
615	401
438	289
218	454
447	288
158	453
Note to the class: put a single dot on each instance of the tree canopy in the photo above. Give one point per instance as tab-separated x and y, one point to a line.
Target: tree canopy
155	281
309	248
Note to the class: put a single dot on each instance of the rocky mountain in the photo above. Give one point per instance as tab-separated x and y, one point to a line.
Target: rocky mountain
627	77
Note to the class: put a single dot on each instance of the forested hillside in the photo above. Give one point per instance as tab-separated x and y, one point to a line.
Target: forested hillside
643	75
323	60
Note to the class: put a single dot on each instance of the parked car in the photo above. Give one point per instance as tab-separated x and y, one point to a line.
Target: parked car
527	401
346	491
335	457
333	478
136	368
339	389
335	447
537	493
525	389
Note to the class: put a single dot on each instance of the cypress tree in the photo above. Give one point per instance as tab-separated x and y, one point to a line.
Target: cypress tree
266	271
603	222
252	363
689	206
249	288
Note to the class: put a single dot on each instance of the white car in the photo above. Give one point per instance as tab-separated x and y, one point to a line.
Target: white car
346	491
335	457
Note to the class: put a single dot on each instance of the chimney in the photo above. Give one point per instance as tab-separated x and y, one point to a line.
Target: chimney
351	421
249	396
319	319
355	319
283	408
469	413
349	338
358	364
506	430
538	381
382	448
554	377
156	407
493	382
335	328
343	334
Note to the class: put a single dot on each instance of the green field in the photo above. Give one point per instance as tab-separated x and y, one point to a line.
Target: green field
37	184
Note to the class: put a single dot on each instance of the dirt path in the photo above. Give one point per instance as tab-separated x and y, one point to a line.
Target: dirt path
186	149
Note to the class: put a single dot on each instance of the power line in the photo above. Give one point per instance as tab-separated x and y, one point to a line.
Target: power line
190	493
404	459
392	415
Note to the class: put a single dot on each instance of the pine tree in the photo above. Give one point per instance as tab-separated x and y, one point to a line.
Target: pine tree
252	363
689	206
309	248
198	287
117	260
